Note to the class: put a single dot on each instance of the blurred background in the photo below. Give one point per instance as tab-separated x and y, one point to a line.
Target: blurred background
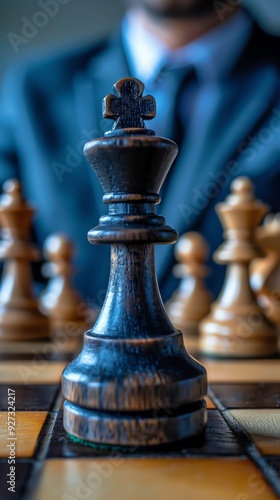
69	21
74	20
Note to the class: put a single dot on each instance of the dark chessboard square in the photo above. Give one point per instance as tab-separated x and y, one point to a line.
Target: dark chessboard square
218	440
25	356
30	397
22	473
248	395
273	463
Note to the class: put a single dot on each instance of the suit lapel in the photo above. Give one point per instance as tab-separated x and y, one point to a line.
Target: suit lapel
103	71
90	87
223	117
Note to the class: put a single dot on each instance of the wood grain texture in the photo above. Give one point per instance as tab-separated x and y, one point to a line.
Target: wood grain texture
143	388
248	395
218	444
36	371
209	403
28	427
150	479
30	397
242	371
62	345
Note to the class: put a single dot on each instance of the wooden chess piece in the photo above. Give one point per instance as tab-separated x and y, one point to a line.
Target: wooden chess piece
20	318
190	303
133	382
265	272
60	301
236	325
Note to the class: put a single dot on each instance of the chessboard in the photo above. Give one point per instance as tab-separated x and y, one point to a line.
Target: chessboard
237	458
134	383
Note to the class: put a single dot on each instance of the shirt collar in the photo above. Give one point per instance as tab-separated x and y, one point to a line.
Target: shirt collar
213	55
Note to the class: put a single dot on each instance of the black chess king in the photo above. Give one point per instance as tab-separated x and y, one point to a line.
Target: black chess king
133	384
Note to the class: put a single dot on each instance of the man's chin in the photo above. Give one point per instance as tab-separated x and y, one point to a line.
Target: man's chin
175	10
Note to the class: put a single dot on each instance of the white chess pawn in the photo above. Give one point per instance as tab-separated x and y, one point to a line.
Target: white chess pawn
190	303
60	300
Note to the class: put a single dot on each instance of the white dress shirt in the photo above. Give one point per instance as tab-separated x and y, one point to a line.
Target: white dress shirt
212	56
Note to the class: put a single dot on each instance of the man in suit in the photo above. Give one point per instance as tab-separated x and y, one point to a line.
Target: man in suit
215	76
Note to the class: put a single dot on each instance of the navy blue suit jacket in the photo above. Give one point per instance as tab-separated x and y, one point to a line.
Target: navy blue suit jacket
51	107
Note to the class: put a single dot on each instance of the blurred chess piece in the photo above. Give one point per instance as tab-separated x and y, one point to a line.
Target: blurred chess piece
60	300
265	272
20	318
236	325
190	303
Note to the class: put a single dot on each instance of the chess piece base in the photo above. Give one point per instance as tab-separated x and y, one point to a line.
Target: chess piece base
236	326
25	325
135	392
131	430
237	336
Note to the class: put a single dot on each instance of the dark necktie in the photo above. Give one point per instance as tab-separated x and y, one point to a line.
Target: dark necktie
183	103
173	90
176	88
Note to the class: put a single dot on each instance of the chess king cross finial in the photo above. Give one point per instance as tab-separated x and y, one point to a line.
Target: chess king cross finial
128	107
